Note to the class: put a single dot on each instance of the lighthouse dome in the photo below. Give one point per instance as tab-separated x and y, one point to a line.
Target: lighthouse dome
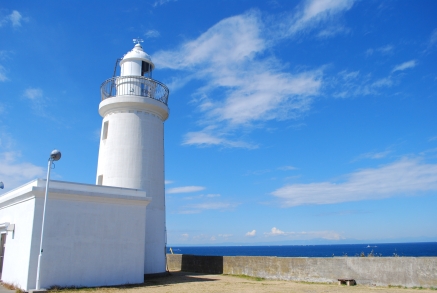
137	53
137	63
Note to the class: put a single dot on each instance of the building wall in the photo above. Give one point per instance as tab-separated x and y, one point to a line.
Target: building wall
378	271
18	242
132	156
90	244
93	235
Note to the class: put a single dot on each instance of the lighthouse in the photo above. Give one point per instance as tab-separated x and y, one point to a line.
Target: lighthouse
131	154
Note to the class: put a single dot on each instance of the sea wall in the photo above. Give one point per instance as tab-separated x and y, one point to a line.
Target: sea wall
373	271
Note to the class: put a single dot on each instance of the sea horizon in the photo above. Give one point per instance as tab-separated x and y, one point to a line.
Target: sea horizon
407	249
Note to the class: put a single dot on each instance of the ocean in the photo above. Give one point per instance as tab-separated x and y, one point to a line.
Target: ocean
375	249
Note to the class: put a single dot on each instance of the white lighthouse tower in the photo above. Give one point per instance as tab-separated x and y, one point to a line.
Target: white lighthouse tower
131	154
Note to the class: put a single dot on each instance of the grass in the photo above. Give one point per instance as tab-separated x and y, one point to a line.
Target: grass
12	287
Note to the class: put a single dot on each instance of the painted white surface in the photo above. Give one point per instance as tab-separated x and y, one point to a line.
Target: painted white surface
132	154
94	235
131	62
17	247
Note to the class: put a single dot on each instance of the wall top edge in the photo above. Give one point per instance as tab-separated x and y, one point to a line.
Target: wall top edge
80	191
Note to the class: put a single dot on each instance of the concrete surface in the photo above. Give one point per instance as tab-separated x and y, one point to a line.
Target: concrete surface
373	271
93	235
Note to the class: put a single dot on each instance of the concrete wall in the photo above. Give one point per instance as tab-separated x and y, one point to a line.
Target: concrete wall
18	242
93	235
379	271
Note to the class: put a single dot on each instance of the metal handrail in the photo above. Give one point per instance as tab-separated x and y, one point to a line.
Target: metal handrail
134	86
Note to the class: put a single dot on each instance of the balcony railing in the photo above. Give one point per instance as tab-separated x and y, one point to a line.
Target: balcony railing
134	86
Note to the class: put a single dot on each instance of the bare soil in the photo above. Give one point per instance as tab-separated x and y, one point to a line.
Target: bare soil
191	282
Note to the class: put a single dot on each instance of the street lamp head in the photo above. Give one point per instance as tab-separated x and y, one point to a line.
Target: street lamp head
55	155
2	185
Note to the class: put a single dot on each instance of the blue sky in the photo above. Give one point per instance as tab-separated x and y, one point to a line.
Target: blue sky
291	121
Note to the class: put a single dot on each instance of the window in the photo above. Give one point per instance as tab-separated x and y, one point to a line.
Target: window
105	130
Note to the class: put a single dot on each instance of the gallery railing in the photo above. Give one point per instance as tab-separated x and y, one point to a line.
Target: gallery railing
134	86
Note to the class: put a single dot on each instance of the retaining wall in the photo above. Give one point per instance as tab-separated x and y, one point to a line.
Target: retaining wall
376	271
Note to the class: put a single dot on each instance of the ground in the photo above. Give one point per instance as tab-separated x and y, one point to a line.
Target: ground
191	282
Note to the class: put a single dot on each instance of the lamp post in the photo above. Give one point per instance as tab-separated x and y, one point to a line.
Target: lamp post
55	155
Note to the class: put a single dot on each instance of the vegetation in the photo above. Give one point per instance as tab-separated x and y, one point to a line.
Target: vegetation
12	287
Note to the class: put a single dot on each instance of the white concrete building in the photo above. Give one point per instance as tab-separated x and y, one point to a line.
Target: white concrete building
93	235
104	234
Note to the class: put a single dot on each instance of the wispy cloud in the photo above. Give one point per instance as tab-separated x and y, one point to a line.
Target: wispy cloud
313	13
387	49
404	177
184	189
227	58
3	76
330	235
405	65
15	19
14	173
162	2
353	83
200	207
151	34
251	233
33	93
206	137
37	99
373	155
209	195
287	168
432	41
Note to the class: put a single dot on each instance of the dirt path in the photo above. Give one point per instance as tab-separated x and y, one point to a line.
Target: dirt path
190	282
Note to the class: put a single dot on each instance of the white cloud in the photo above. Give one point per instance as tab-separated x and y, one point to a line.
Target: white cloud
330	235
404	177
382	82
331	31
352	83
387	49
168	182
373	155
198	208
151	34
184	189
15	18
227	58
432	40
162	2
316	12
37	99
33	93
14	173
405	65
201	196
3	76
251	233
287	168
206	138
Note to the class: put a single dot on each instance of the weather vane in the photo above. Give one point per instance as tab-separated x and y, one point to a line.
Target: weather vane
138	41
